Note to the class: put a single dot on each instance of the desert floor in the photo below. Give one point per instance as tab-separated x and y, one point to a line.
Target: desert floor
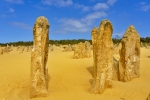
70	78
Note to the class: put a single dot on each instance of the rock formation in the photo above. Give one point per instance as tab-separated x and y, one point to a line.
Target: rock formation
18	48
39	57
103	56
116	49
79	49
22	49
67	48
115	68
147	47
51	48
94	36
87	49
82	50
11	48
28	49
116	58
1	51
129	62
6	49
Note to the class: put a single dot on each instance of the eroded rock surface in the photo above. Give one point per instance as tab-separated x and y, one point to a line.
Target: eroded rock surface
51	48
115	68
22	49
68	48
117	48
1	51
39	57
94	38
129	62
87	49
103	57
82	50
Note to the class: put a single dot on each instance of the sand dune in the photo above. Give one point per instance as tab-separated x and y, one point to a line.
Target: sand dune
70	78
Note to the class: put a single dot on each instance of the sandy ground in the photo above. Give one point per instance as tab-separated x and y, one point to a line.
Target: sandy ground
70	78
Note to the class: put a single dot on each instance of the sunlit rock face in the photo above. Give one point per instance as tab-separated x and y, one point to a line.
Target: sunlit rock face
129	62
103	56
1	51
82	50
39	58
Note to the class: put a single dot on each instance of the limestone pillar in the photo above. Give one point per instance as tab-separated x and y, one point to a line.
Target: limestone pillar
39	58
94	36
129	62
103	56
1	51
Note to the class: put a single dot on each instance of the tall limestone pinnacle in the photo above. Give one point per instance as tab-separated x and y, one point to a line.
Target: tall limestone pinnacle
103	56
39	58
129	62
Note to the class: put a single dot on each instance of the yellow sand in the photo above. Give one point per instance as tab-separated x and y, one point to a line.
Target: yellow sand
70	78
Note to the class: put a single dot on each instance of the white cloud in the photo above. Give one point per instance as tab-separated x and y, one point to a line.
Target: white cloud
72	22
145	7
111	2
40	7
47	2
84	8
90	18
72	25
15	1
100	6
78	25
142	3
11	10
3	15
94	16
20	25
91	0
58	3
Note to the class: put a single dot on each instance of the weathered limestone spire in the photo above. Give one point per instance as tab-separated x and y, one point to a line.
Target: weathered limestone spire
129	62
103	56
39	58
82	50
1	51
94	36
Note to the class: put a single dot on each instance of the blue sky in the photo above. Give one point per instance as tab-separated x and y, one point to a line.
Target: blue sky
71	19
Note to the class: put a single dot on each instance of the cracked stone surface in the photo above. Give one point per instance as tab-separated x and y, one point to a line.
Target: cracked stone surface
103	56
39	58
129	62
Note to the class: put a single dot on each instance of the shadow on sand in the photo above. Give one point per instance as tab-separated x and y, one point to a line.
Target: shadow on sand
148	56
90	69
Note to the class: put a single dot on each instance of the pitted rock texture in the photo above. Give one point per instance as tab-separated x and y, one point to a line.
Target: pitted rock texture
1	50
129	62
115	68
82	50
39	57
68	48
103	56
